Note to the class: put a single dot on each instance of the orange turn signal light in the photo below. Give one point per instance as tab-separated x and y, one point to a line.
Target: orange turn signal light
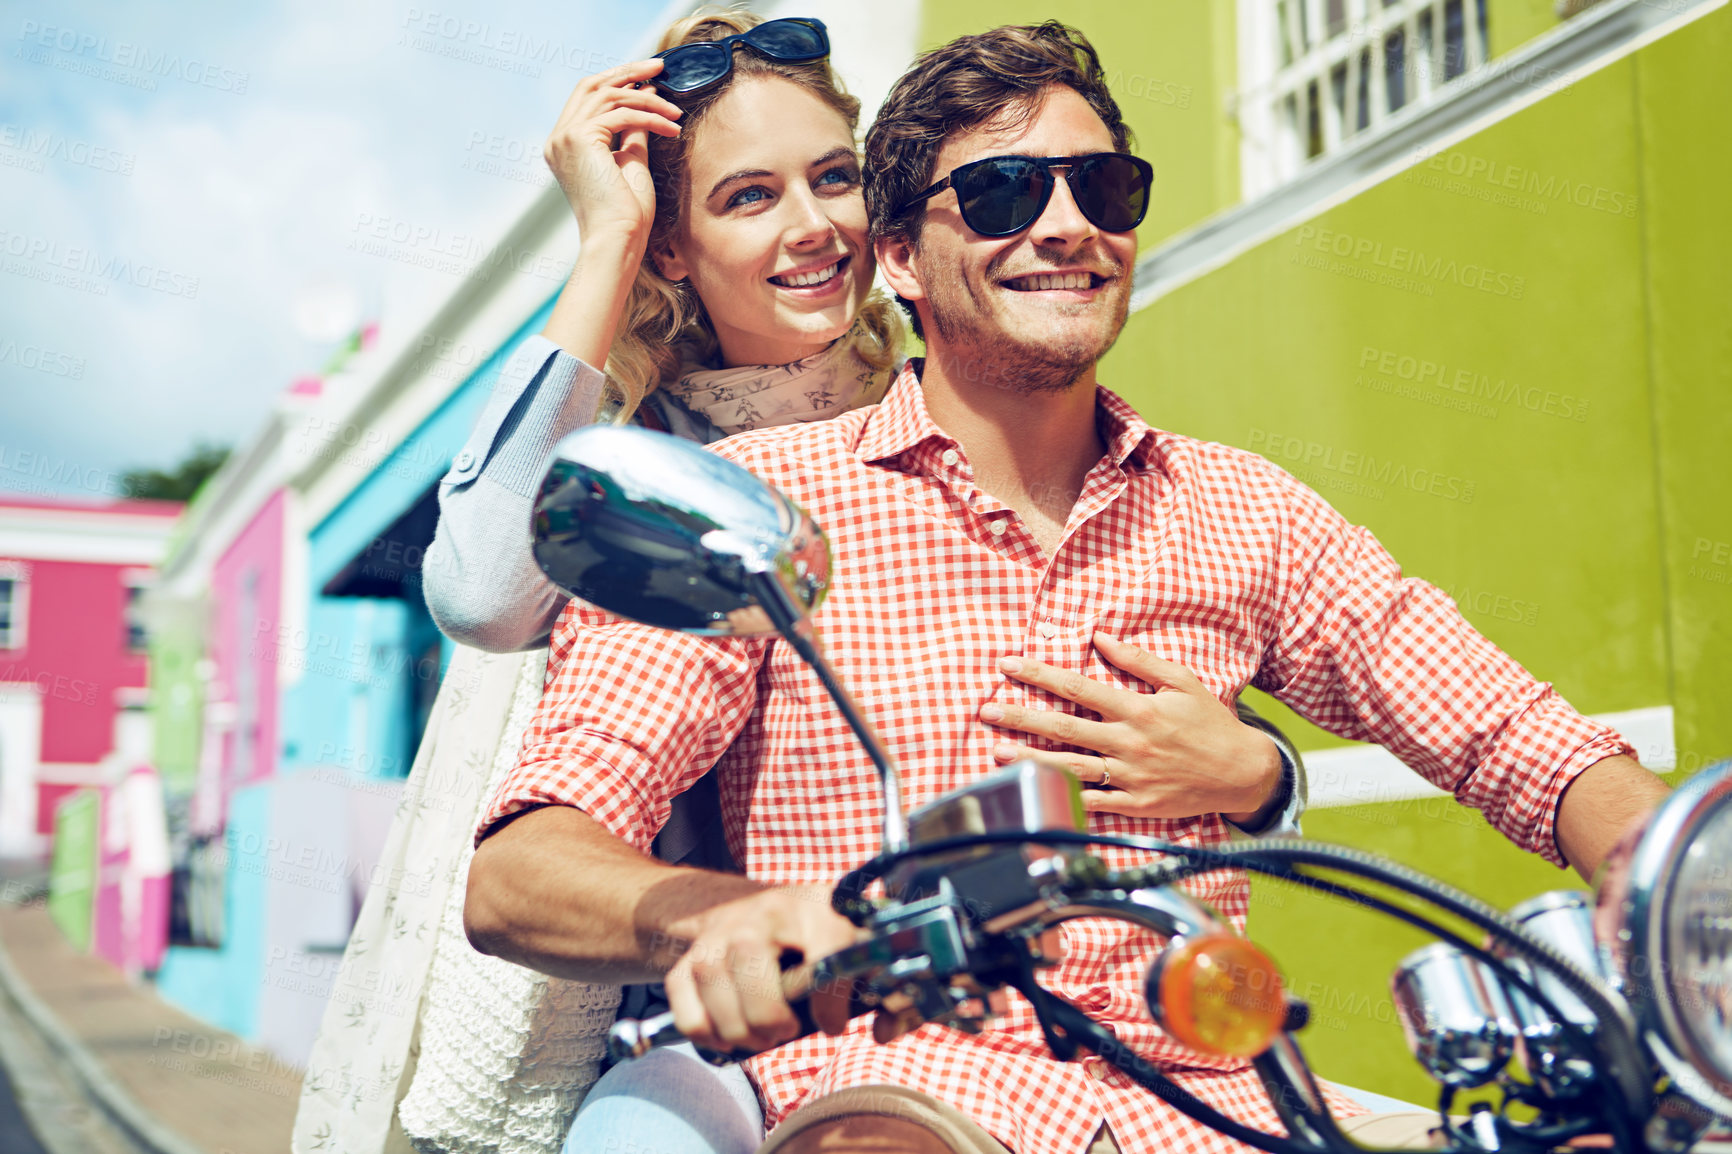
1217	993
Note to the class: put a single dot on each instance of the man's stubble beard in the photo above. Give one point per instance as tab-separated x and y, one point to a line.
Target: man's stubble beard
1002	358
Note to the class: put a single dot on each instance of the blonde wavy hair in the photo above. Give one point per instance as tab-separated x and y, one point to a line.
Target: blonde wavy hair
660	313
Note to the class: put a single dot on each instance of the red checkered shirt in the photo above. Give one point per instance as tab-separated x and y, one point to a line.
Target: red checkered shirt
1206	555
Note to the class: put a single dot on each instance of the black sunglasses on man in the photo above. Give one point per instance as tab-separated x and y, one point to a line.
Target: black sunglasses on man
1002	195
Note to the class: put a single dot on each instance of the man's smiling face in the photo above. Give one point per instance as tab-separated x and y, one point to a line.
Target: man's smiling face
1046	303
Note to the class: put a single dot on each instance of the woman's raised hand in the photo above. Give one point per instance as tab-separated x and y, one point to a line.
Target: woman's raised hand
1176	752
609	188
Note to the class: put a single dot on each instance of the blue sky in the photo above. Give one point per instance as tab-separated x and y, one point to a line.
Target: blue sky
179	187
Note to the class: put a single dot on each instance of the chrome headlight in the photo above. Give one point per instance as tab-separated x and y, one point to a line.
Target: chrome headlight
1564	920
1453	1014
1665	912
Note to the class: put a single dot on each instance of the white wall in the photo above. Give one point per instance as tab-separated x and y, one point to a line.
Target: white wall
870	44
20	751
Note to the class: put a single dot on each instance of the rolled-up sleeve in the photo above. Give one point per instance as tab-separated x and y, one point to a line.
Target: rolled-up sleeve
1371	655
481	582
630	718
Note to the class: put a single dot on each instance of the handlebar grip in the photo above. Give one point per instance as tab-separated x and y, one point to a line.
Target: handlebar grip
635	1037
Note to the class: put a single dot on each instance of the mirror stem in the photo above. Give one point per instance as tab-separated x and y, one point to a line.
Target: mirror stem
789	622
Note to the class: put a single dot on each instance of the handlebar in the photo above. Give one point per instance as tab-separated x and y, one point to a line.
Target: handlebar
635	1037
971	915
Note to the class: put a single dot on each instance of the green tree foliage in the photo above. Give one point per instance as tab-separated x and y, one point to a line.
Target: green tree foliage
180	482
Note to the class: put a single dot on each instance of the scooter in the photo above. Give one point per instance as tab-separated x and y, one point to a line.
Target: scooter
1617	1011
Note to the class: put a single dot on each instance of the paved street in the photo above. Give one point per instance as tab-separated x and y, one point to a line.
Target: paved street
188	1086
16	1135
181	1086
43	1106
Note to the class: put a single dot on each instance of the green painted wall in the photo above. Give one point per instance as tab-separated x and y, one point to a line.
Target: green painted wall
177	693
1682	90
72	869
1512	23
1467	377
1514	362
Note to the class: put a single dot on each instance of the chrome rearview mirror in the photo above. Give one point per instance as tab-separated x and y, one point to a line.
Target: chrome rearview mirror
657	529
660	531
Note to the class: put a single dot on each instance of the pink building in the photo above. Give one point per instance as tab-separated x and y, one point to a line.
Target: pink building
246	596
72	660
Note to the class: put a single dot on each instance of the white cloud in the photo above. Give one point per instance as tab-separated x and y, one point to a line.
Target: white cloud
353	118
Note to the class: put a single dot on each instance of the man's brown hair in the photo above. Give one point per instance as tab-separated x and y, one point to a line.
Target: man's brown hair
994	79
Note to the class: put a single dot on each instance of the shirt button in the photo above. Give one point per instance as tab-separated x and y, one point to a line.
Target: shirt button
464	459
1046	629
950	457
1107	1074
998	527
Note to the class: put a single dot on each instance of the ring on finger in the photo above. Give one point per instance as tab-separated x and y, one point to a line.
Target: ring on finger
1106	775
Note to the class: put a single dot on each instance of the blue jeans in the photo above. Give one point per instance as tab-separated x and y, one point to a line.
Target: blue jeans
669	1101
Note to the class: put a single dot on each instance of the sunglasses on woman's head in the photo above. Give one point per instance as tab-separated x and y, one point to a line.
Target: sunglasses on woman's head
692	68
1002	195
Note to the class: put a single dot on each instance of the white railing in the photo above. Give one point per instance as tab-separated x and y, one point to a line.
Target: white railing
1319	73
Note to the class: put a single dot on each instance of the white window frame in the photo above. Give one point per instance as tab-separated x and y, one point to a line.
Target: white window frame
15	636
1607	32
1275	145
137	583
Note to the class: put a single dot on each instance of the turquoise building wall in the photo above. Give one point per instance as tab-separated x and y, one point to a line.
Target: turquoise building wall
376	650
350	708
221	985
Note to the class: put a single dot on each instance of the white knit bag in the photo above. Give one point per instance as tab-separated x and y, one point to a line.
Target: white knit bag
506	1053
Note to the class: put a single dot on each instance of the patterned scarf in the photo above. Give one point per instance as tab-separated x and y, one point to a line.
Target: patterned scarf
816	388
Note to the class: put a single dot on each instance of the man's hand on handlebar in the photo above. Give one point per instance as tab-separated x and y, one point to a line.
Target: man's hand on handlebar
1176	752
728	991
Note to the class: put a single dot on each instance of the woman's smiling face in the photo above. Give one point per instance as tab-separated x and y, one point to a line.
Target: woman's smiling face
774	233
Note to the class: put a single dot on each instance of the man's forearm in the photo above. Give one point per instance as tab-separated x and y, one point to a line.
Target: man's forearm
555	891
1600	805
